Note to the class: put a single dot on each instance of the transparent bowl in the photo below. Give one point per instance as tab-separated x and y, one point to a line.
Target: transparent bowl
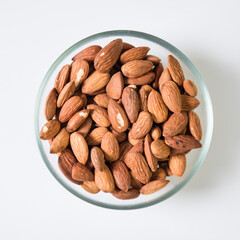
161	49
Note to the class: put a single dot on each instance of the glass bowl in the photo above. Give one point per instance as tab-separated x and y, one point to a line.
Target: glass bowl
161	49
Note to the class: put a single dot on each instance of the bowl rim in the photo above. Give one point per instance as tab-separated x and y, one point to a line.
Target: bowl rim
176	52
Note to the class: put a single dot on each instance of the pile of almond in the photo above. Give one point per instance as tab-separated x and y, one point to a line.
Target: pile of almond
119	122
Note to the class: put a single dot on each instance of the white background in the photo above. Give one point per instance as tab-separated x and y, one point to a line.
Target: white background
32	35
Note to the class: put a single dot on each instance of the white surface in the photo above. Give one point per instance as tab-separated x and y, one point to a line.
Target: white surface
32	204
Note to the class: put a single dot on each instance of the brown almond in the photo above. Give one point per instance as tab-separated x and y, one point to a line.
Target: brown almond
82	96
102	100
110	147
104	180
175	70
153	186
189	103
195	125
124	148
94	138
190	88
136	184
50	129
81	173
85	127
119	136
131	194
156	132
134	141
121	175
131	102
160	173
50	105
160	149
70	107
177	164
171	96
157	107
90	186
60	142
62	78
126	46
88	53
143	99
136	53
117	116
115	86
108	56
65	94
165	77
158	69
136	68
154	59
99	115
79	72
79	147
175	124
102	90
147	88
142	80
97	158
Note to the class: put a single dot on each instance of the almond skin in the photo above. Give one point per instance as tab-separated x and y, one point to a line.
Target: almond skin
94	138
65	94
117	116
99	115
126	46
137	53
153	186
171	96
135	183
62	78
60	142
79	72
121	175
156	132
119	136
102	100
189	103
50	129
134	141
175	70
104	180
143	99
108	56
165	76
50	105
110	147
190	88
175	124
131	102
157	107
158	69
85	127
97	158
90	186
177	164
160	149
79	147
115	86
142	80
88	53
160	173
195	125
131	194
136	68
154	59
124	148
81	173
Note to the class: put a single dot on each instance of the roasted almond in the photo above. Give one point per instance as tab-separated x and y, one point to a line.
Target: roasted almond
120	136
160	173
142	80
177	164
88	53
153	186
189	103
90	186
156	132
131	194
165	77
94	138
102	100
154	59
81	173
136	184
85	127
115	86
175	70
62	78
126	46
97	158
190	88
134	141
195	125
99	115
143	99
160	149
50	105
50	129
158	69
60	142
124	148
65	94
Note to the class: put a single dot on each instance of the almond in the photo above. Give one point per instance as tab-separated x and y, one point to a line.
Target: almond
153	186
82	96
97	158
134	141
157	107
79	147
136	68
94	138
89	164
95	82
79	72
147	88
160	149
102	100
50	105
135	183
165	77
177	164
85	127
156	132
138	165
154	59
65	164
175	70
195	125
189	103
137	148
65	94
190	88
136	53
110	147
119	136
121	175
160	173
60	142
81	173
99	115
175	124
88	53
158	71
126	46
131	102
131	194
62	78
117	116
124	148
108	56
104	180
90	186
70	107
171	96
142	80
50	129
115	86
143	99
183	142
151	159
